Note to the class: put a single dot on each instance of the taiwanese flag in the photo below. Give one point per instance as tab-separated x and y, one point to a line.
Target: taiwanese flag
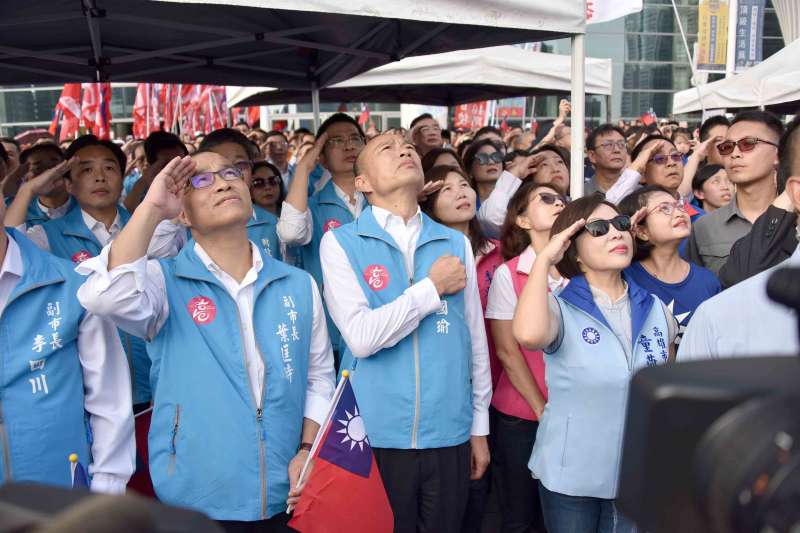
344	491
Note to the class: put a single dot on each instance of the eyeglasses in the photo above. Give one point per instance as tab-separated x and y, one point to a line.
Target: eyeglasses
277	144
610	145
745	144
598	228
206	179
668	208
430	129
661	159
244	166
549	198
258	183
340	142
487	159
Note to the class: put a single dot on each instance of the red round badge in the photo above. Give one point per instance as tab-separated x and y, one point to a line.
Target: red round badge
80	257
331	223
202	310
377	277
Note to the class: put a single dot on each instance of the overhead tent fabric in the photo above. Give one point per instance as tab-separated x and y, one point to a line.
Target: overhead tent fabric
289	44
773	83
447	79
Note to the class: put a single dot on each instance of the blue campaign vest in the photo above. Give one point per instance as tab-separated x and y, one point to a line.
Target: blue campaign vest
36	216
210	449
328	211
69	238
417	393
42	417
262	230
579	441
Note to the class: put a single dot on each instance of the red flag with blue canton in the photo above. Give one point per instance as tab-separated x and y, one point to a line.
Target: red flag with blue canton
344	491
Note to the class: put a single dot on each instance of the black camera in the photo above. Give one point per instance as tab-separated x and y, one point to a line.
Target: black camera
714	446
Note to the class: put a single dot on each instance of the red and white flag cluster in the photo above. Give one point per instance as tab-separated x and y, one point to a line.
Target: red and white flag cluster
86	105
186	108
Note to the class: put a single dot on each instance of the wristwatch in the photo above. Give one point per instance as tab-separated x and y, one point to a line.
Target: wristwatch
305	446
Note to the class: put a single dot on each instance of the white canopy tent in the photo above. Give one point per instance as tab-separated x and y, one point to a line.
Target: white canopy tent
774	83
448	79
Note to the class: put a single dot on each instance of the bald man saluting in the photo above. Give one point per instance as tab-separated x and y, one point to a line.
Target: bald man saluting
402	289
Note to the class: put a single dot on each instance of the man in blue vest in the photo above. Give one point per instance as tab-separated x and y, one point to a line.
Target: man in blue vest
305	220
93	176
65	386
402	289
242	367
39	201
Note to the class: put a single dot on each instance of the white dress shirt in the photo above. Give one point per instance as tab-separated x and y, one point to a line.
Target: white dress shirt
367	331
54	212
107	387
296	228
101	233
492	212
626	184
134	297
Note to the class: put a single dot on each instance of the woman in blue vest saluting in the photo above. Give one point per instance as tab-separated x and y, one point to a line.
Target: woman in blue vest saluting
242	366
596	333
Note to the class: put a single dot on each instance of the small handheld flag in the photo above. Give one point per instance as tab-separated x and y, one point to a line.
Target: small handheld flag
77	473
345	477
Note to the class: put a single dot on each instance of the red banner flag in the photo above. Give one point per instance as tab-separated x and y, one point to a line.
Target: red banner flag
96	109
344	491
68	112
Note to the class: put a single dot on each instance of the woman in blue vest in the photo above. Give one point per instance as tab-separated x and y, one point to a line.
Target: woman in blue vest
596	333
242	366
304	220
658	266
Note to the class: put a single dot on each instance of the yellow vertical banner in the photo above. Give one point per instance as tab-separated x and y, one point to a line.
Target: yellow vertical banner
712	35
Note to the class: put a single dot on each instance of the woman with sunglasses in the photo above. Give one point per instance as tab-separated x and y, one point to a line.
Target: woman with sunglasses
483	160
596	333
266	187
658	266
520	393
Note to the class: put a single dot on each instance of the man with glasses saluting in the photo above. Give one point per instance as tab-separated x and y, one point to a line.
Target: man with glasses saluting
750	157
242	366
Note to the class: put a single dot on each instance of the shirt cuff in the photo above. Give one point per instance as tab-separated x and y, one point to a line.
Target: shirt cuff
425	297
480	422
98	266
109	484
317	407
508	183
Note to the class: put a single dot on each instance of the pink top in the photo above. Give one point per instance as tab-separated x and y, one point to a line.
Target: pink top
485	265
505	397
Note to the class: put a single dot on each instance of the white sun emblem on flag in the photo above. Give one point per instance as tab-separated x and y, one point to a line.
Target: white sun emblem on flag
353	430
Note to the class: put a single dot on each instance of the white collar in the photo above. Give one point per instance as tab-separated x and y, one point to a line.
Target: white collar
384	217
92	222
345	197
212	267
526	260
12	264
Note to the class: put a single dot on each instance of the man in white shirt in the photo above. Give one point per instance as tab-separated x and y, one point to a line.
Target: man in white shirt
242	366
403	291
59	363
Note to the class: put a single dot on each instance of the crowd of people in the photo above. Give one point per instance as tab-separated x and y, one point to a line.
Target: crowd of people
490	317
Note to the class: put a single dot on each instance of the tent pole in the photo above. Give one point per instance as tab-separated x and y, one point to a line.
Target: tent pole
608	108
315	104
578	98
695	78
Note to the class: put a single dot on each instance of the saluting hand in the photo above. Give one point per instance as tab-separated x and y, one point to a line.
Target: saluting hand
44	182
166	192
526	166
557	247
311	157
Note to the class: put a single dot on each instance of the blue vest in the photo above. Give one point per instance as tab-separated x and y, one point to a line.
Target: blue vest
42	417
328	212
262	230
417	393
579	440
69	238
36	216
210	448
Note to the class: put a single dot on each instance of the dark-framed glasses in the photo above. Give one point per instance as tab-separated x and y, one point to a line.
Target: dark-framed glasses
598	228
206	179
745	144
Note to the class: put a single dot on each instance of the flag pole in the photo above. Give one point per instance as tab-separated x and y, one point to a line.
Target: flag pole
689	56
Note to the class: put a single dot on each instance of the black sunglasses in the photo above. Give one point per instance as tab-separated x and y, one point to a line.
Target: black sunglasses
487	159
550	198
598	228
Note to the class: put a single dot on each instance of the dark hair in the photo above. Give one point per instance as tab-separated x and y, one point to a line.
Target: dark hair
602	129
421	117
650	138
472	151
703	175
266	164
680	131
630	205
85	141
487	129
789	153
10	140
338	118
513	154
159	141
712	122
446	136
763	117
560	152
462	147
476	237
28	152
229	135
3	154
513	239
304	131
582	208
429	159
242	122
275	133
